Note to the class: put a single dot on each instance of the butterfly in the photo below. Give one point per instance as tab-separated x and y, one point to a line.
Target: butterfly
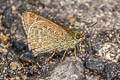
44	35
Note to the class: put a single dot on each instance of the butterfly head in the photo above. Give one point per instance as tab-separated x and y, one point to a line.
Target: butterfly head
77	36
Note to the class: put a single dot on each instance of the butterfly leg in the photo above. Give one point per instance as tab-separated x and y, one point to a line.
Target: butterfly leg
64	54
80	47
52	55
75	51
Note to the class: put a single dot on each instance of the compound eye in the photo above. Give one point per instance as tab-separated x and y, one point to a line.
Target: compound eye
78	36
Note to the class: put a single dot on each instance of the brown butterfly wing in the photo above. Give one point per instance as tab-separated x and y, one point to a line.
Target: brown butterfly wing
43	35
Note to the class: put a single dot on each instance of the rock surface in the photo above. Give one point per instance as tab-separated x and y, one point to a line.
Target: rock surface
100	58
